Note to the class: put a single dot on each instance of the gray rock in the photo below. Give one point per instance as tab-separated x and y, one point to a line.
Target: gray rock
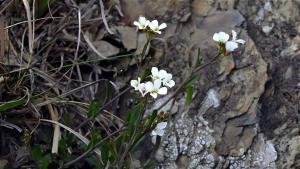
128	36
105	48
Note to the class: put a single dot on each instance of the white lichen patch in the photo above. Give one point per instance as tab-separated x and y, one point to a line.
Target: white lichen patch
188	137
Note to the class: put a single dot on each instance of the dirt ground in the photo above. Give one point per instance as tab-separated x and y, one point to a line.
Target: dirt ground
255	126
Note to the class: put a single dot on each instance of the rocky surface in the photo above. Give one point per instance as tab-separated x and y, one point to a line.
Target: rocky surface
256	124
245	112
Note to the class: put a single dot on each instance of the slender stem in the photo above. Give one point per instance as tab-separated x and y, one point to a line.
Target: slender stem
103	107
90	150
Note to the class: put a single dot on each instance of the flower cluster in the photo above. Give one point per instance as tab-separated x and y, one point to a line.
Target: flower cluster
158	131
152	26
230	45
161	79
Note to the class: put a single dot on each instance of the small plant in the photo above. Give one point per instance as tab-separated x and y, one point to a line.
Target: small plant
225	45
113	146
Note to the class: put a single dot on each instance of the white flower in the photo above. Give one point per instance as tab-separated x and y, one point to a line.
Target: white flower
221	37
138	86
142	23
167	81
155	88
241	41
158	74
135	83
233	44
158	131
155	27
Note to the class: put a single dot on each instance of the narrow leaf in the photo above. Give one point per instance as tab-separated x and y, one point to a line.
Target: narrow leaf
189	95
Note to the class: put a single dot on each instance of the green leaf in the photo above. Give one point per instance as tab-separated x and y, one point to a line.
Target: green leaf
67	119
146	73
95	138
151	165
42	161
114	155
189	95
63	148
37	152
151	119
45	161
121	139
133	118
199	59
108	91
94	108
105	152
191	80
42	7
4	106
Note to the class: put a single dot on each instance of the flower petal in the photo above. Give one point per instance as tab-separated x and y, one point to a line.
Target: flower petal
153	133
241	41
134	84
157	31
231	46
153	139
161	125
162	74
154	95
216	37
223	37
233	35
153	25
162	91
160	132
154	71
168	76
141	87
142	20
136	23
162	26
149	86
147	23
157	84
169	83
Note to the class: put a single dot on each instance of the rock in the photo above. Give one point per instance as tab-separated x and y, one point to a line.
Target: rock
289	73
204	29
267	29
142	39
187	143
241	108
172	106
128	37
135	164
178	10
288	10
204	135
105	48
290	50
201	7
293	152
262	155
268	6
